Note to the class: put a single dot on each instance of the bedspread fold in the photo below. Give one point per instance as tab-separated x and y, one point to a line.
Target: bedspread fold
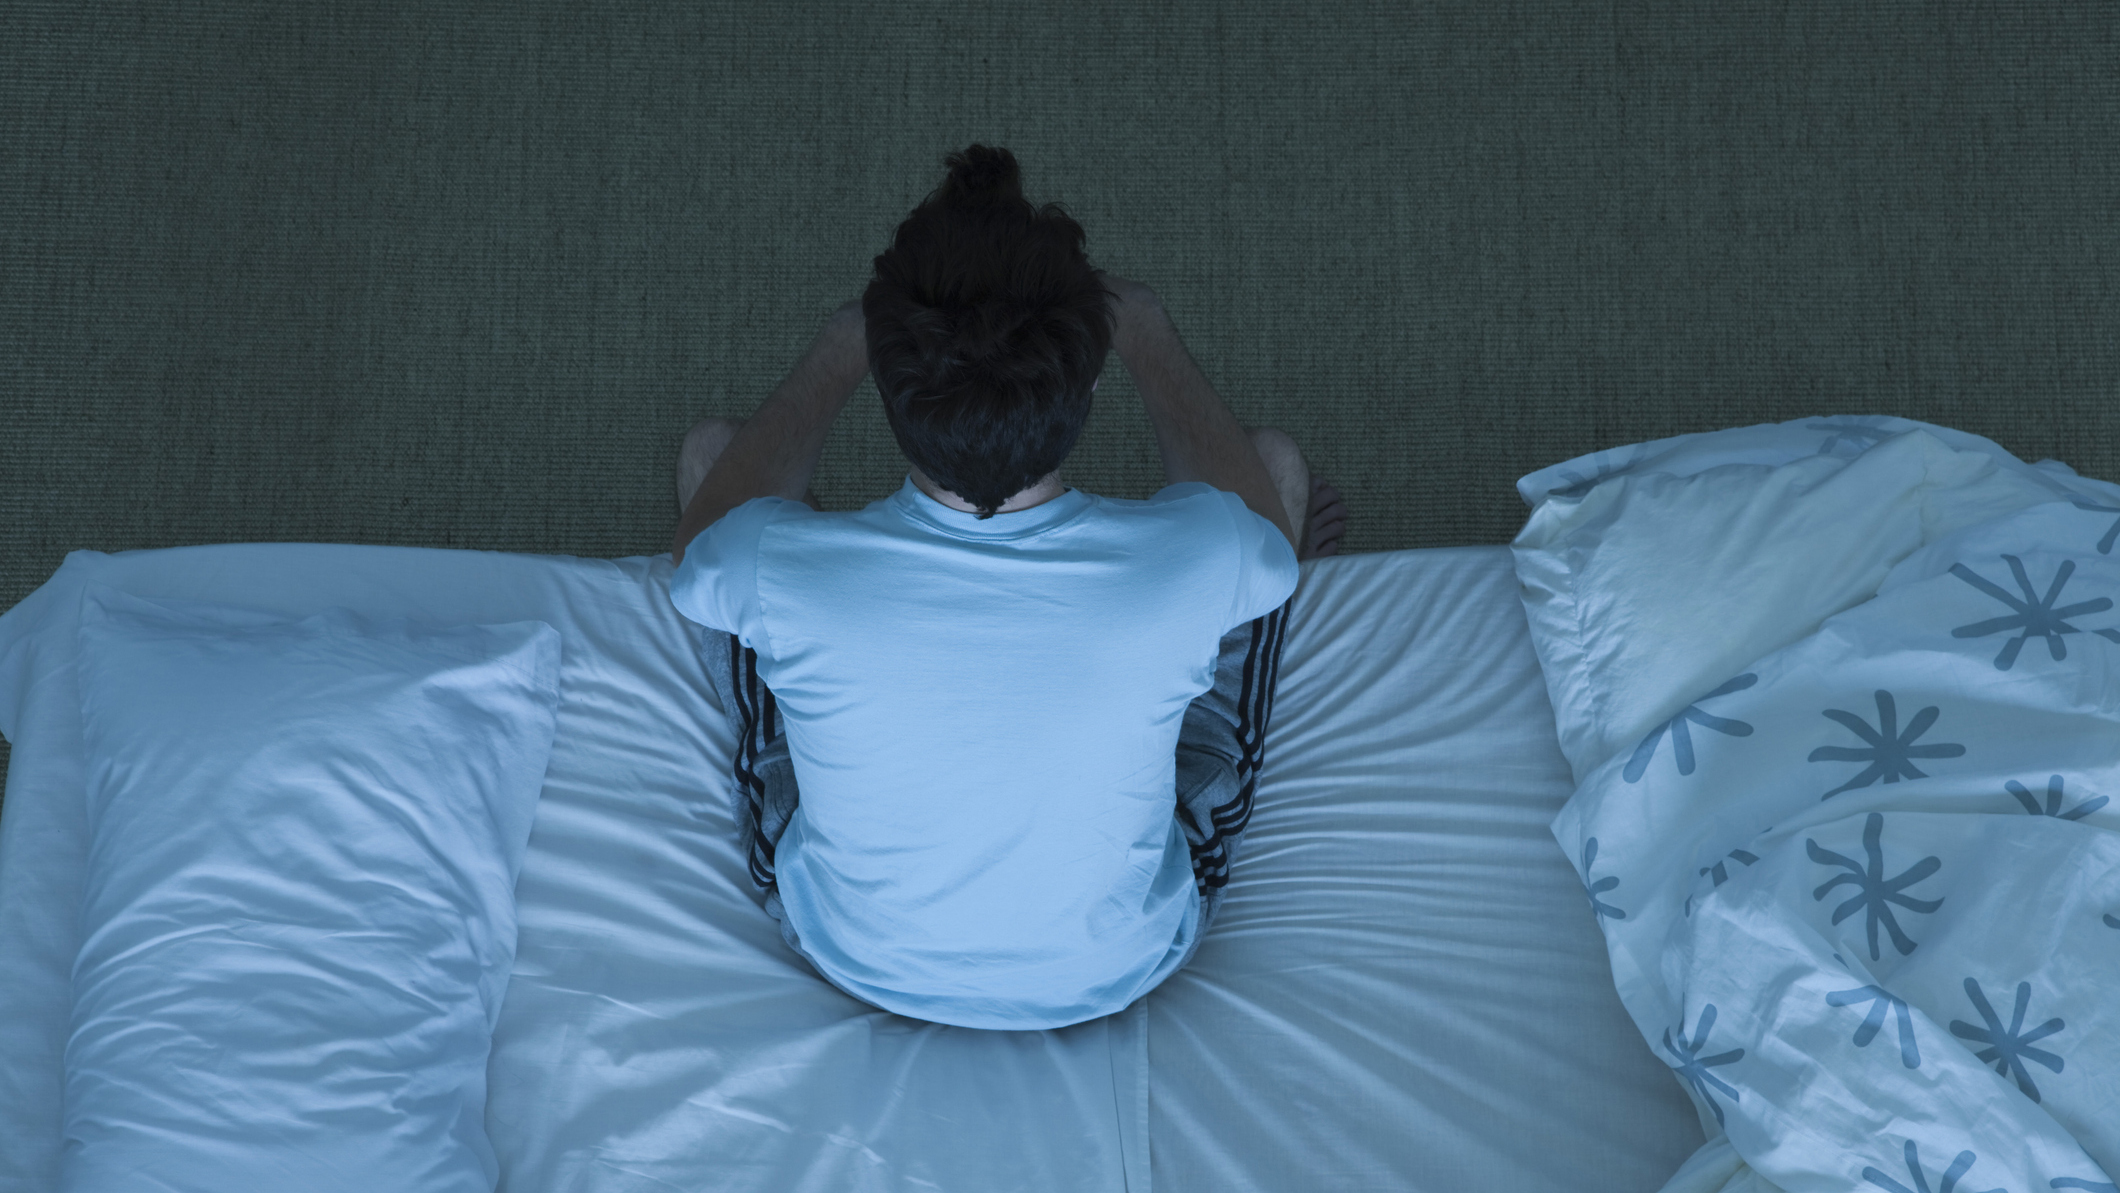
1861	894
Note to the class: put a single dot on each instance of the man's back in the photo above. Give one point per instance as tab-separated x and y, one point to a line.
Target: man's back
982	716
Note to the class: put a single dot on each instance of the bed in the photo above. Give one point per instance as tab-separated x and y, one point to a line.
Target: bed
1410	987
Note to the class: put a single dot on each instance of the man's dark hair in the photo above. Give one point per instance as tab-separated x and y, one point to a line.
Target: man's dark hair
986	328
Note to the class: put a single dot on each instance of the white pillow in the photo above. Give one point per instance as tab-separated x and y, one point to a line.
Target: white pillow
1652	573
299	917
1842	436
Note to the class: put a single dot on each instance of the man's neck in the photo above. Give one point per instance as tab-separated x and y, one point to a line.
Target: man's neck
1038	494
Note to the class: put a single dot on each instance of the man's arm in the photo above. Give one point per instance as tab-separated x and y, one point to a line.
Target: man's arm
1200	438
774	453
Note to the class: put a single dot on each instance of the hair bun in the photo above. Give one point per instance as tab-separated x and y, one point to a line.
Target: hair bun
983	172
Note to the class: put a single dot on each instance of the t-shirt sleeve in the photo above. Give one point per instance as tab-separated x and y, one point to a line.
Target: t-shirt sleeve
1267	571
717	583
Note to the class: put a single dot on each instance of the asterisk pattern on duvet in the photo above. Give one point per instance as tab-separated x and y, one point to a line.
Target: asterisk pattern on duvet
1871	917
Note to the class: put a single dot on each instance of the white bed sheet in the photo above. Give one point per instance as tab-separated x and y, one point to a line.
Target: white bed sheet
1406	988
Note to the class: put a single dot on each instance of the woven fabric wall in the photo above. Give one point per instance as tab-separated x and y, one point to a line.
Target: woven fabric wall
461	275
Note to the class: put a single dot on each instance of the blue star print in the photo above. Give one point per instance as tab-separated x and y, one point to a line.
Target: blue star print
1682	741
1949	1183
2038	617
2008	1044
1875	890
1881	1003
2053	801
2105	545
1694	1069
1888	750
1722	872
1603	884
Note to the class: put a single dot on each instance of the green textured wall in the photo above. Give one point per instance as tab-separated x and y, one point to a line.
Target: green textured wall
461	275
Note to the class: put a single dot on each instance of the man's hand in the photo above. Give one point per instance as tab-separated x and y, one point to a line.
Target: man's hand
850	323
1133	303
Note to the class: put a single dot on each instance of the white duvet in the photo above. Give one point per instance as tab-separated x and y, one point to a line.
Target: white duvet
1843	700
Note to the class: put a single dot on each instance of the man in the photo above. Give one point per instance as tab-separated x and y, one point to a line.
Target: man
1027	722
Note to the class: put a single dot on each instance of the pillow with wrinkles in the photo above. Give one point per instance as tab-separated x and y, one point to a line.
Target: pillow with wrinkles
1653	573
299	916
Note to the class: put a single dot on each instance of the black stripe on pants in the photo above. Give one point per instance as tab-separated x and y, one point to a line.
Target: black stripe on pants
1227	821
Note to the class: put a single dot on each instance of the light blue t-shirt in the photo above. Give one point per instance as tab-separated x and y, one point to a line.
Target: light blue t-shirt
983	719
